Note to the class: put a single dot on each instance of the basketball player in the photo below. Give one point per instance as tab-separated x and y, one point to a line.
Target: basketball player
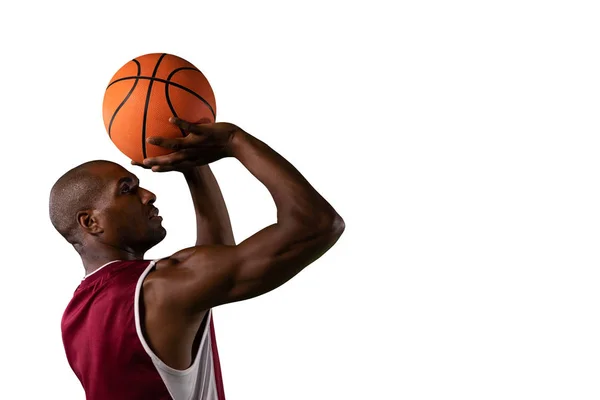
142	329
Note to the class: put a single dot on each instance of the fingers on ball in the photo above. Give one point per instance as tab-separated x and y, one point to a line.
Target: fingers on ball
172	144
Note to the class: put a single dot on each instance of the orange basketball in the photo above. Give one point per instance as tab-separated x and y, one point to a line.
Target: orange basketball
144	93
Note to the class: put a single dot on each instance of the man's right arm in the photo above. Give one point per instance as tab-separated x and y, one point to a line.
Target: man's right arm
202	277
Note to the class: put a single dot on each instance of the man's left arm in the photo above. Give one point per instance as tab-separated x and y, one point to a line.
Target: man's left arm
213	225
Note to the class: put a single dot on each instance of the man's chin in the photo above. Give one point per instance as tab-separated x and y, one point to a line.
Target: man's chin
161	234
156	237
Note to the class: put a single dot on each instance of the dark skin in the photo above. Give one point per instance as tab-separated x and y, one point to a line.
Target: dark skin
120	227
184	286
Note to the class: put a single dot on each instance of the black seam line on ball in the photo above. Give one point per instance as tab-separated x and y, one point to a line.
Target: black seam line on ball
167	92
177	85
139	70
147	103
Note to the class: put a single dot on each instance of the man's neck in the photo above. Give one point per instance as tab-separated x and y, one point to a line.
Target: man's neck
95	258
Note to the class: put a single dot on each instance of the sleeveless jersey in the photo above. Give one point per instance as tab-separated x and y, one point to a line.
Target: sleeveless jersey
105	346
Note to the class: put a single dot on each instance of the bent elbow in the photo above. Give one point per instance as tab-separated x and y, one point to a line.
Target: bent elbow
337	226
321	223
331	225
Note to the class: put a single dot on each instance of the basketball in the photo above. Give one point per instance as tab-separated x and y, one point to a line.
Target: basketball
145	92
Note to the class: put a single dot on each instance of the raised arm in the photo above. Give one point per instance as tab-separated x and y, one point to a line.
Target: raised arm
213	225
307	226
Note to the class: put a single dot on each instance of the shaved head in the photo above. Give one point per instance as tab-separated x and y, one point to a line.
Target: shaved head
77	190
99	205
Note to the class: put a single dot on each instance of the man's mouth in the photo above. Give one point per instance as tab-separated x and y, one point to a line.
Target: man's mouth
154	213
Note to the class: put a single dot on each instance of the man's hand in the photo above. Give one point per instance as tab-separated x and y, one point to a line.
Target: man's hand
205	143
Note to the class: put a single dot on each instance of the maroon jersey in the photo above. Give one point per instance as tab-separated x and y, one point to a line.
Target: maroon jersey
105	346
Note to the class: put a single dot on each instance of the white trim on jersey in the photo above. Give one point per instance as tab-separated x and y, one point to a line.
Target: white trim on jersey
194	383
93	272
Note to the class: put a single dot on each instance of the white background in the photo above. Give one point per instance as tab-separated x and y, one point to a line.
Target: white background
459	141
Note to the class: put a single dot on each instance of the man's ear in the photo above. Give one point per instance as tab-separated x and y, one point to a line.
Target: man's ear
88	221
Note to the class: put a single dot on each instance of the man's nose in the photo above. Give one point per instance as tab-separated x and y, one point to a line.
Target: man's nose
147	196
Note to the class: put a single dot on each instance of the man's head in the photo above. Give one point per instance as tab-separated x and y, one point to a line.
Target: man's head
99	204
